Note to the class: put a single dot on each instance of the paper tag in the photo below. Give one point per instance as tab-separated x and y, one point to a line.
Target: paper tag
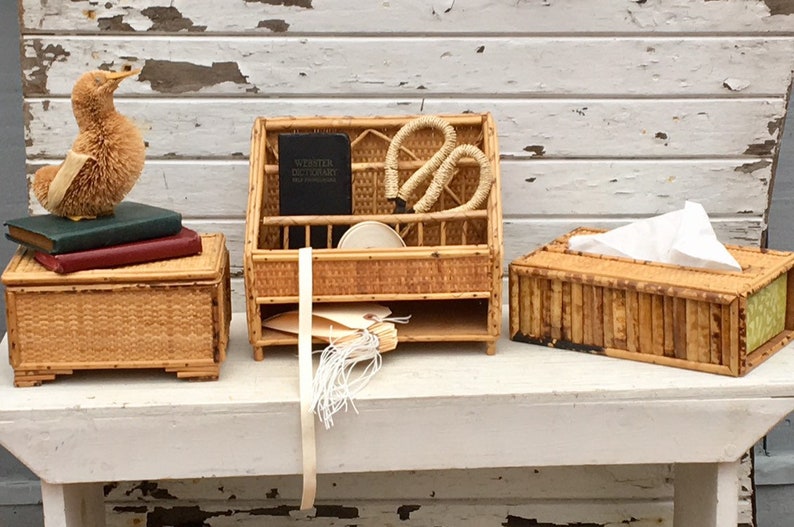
331	321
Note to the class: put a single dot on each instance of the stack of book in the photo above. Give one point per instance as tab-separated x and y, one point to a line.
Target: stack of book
135	233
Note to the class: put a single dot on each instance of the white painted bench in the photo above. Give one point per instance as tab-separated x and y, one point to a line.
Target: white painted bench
606	111
448	408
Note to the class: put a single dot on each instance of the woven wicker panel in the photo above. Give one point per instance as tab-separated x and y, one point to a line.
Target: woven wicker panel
368	152
152	324
378	277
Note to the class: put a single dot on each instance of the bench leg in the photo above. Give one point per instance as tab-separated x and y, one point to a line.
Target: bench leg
73	505
706	494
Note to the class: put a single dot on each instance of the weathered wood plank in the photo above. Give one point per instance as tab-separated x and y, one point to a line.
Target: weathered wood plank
602	128
218	189
439	16
276	513
682	66
548	483
376	513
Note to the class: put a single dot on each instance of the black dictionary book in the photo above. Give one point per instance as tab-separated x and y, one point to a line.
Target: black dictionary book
315	178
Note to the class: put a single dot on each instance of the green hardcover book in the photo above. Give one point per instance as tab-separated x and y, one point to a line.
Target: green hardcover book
130	222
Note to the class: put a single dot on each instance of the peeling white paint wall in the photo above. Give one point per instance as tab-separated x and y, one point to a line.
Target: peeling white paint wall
606	111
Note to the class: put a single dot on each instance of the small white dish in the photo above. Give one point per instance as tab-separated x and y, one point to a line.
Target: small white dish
370	235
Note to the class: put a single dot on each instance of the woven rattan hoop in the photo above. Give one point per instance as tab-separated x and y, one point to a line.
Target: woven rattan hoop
392	189
447	171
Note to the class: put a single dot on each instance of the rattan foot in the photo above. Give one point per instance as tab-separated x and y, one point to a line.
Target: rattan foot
490	348
197	373
28	378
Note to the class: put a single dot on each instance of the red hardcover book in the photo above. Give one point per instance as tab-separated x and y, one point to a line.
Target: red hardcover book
187	242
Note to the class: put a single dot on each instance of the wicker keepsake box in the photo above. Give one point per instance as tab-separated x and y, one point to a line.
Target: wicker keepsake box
712	321
171	314
448	275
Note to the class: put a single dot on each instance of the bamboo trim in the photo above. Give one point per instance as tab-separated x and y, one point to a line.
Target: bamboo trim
289	340
545	314
667	361
587	315
468	295
735	364
657	323
607	319
251	240
766	350
444	337
405	165
715	333
567	311
727	325
516	289
577	313
555	309
669	345
536	301
404	253
115	364
22	373
392	219
494	208
742	333
645	322
292	124
12	325
679	328
618	281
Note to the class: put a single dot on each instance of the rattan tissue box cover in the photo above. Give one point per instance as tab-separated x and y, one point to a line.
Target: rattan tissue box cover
170	314
712	321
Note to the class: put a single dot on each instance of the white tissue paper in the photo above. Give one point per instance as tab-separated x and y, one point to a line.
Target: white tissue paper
682	237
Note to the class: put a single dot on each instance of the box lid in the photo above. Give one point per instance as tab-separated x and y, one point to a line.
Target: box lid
23	270
759	268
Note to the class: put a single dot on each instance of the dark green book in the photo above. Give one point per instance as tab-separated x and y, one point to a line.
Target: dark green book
130	222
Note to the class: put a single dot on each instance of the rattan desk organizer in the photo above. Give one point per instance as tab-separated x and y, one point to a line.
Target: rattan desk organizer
711	321
448	277
171	314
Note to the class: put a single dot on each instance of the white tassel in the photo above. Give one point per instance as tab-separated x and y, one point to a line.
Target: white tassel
337	380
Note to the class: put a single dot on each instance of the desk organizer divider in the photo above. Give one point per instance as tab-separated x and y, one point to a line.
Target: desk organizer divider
448	277
711	321
170	314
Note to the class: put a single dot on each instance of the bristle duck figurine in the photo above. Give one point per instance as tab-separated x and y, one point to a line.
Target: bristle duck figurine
105	160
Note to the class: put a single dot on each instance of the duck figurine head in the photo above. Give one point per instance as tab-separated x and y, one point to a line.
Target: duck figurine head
105	160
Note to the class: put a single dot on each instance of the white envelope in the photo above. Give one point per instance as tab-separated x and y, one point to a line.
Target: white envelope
682	237
331	321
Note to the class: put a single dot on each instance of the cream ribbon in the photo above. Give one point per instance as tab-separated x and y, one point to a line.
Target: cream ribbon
308	441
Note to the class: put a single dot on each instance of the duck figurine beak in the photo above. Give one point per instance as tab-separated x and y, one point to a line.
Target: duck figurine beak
120	75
